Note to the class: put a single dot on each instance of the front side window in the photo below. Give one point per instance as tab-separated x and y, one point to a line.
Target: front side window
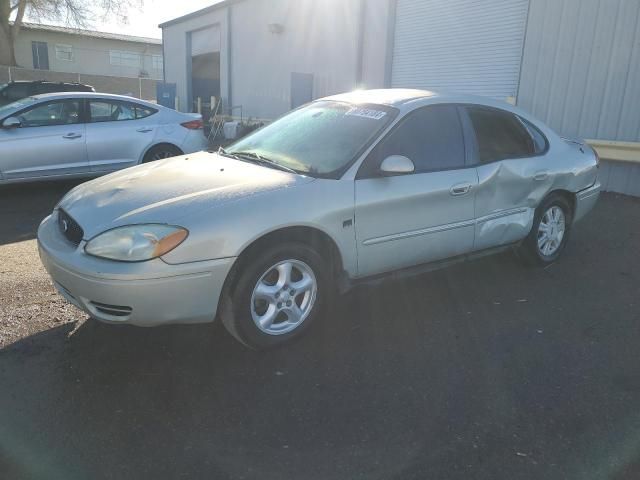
62	112
430	137
322	138
500	135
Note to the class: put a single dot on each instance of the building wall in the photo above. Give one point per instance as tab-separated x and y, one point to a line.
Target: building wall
90	54
177	51
581	67
318	38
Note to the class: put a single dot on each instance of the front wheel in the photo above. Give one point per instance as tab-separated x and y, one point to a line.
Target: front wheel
276	297
550	231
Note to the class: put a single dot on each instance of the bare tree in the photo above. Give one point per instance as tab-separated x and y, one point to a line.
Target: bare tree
76	13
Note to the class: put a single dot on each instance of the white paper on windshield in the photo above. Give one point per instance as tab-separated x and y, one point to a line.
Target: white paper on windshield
366	113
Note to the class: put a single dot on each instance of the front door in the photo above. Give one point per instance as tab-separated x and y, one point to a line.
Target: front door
49	142
428	215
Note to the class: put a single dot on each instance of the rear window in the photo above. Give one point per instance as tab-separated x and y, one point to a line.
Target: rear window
17	91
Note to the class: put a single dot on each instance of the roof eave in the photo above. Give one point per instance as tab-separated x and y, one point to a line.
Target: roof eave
202	11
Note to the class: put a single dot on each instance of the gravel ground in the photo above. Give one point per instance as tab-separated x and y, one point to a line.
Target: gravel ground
486	370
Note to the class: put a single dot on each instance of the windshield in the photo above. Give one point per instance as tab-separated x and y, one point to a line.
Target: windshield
320	139
15	106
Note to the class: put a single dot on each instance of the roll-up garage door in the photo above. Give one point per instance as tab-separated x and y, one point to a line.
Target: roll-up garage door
206	40
470	46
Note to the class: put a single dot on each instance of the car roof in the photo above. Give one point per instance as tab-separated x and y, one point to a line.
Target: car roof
54	95
388	96
397	97
48	82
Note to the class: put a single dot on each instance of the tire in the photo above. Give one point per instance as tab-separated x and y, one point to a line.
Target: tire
160	152
556	213
256	308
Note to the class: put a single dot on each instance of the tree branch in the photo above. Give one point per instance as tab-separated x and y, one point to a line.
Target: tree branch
17	23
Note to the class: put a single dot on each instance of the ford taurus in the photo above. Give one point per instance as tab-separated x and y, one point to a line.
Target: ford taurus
344	189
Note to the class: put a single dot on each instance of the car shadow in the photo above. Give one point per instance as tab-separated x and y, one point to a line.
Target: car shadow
23	206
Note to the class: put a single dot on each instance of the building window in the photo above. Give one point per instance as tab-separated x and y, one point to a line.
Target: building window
157	62
40	53
64	52
124	59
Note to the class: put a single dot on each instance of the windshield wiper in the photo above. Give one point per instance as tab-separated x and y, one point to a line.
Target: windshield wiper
254	157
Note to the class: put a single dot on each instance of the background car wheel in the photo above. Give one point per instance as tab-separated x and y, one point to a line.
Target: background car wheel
276	295
550	231
160	152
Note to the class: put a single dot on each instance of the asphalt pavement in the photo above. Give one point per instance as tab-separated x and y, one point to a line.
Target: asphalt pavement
486	370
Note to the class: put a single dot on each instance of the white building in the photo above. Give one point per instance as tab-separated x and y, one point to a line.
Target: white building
575	64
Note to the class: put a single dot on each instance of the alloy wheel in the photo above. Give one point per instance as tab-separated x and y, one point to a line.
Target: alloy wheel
551	231
283	297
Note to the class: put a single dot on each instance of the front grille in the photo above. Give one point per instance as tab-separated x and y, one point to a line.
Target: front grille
69	227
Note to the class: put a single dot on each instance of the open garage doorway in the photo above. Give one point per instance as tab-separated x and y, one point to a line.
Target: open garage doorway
204	71
205	81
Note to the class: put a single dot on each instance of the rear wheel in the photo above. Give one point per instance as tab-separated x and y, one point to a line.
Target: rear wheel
276	296
550	231
160	152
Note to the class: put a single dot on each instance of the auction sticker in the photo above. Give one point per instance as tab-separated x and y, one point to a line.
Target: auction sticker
366	113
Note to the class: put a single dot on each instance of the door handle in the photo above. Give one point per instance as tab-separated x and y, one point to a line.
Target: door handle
71	136
460	189
541	175
144	130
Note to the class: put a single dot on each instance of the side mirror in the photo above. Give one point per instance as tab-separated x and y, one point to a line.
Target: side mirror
396	165
11	122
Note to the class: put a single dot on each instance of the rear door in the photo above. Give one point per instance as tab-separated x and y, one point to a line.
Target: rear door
514	172
118	132
49	142
421	217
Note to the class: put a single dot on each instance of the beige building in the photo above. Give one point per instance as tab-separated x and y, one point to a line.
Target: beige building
70	50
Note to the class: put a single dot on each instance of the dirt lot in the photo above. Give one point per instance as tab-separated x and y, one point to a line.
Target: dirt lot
487	370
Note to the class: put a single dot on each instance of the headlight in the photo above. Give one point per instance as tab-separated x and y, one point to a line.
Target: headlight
136	243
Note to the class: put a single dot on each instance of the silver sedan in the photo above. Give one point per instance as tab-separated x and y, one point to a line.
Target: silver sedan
345	189
64	135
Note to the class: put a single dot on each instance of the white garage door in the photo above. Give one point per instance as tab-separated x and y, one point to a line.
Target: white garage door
205	40
471	46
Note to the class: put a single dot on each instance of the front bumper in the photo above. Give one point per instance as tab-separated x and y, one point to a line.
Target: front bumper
586	200
145	294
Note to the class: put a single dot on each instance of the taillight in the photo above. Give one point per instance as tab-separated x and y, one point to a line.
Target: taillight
193	125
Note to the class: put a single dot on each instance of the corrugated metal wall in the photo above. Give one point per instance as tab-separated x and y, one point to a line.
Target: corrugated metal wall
581	67
471	46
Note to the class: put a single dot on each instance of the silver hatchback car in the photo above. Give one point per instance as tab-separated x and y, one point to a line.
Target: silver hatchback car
344	189
71	134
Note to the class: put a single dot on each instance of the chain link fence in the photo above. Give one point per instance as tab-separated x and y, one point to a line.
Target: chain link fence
144	88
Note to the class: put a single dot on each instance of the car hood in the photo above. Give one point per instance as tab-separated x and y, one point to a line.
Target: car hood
168	190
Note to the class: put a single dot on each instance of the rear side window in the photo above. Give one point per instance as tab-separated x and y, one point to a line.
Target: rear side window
500	135
539	140
115	111
430	137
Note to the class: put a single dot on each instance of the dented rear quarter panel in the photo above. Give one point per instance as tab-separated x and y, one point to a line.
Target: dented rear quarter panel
509	191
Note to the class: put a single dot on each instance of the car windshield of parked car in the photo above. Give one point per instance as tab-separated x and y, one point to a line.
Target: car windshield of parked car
15	106
320	139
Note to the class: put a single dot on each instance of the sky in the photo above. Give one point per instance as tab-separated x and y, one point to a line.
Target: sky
144	22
